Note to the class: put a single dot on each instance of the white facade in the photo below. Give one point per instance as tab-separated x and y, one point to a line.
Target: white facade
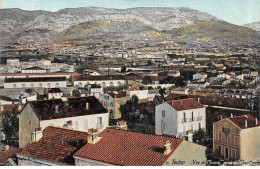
12	62
25	99
81	123
103	83
46	84
141	94
55	95
4	102
109	102
172	122
34	71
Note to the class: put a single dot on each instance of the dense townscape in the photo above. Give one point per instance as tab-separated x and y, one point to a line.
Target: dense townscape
158	101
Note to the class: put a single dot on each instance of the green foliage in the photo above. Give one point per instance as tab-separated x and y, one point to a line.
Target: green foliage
178	81
200	137
147	80
10	123
127	110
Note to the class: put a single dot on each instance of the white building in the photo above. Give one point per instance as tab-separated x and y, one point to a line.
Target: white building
34	69
141	94
39	82
177	117
54	93
12	62
83	114
104	81
200	76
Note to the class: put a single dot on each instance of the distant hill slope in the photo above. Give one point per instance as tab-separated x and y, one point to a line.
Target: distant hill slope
76	24
218	32
255	26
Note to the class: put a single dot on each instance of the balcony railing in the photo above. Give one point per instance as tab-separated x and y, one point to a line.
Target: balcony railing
199	118
192	119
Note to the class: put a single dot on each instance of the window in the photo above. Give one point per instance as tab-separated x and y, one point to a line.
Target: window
32	85
48	85
163	126
99	120
236	140
192	118
163	114
233	154
184	117
23	85
14	85
118	83
29	122
103	84
111	83
80	84
57	85
40	85
199	125
228	138
111	105
216	135
223	137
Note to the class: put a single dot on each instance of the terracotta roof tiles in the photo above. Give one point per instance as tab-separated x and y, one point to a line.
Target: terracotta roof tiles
240	121
124	148
185	104
11	153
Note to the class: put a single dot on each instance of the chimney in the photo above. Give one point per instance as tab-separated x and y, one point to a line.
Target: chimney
37	135
167	147
256	121
56	109
231	115
87	106
172	103
19	107
2	108
221	117
93	138
6	147
198	99
245	123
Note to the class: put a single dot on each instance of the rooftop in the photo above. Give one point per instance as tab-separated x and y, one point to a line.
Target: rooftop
185	104
118	94
34	79
11	153
57	145
82	78
5	98
54	90
57	108
240	121
126	148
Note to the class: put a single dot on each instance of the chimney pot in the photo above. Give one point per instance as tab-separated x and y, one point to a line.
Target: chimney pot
167	147
221	117
6	147
231	115
256	121
245	123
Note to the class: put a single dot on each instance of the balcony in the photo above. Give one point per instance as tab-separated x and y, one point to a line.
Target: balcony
199	118
184	120
191	119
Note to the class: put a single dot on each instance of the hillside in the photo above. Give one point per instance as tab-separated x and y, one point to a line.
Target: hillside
255	26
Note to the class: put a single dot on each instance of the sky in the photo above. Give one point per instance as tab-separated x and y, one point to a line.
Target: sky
234	11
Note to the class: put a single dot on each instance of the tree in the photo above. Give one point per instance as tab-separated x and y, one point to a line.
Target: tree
200	137
147	80
129	107
10	123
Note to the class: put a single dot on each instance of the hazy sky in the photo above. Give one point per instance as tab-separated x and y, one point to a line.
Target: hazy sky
234	11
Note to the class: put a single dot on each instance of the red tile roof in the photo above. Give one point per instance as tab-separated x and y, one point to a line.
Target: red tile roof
5	98
126	148
98	78
120	94
149	106
34	79
185	104
11	153
133	88
54	90
240	121
38	74
57	145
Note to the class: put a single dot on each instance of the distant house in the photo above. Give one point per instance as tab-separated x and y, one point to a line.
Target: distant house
27	96
95	90
174	73
104	81
5	100
12	62
34	69
141	94
54	93
237	138
113	100
180	117
78	113
200	76
33	82
60	146
197	84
